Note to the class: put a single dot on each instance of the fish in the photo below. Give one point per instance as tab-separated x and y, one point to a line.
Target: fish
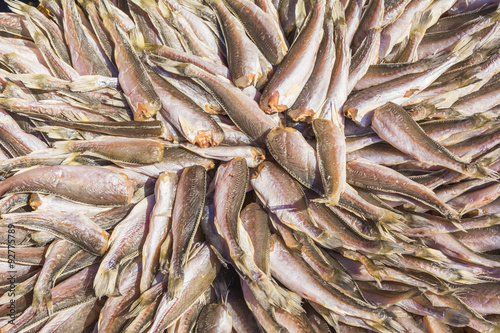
186	215
291	75
420	149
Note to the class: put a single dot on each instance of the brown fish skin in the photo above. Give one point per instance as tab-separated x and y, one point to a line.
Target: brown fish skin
200	271
365	56
315	289
13	24
312	96
242	318
243	110
76	228
86	56
70	182
242	54
331	152
291	150
187	117
262	29
255	221
33	256
57	258
74	319
113	315
214	318
74	291
132	76
124	244
292	73
128	150
373	176
373	16
186	215
420	146
133	129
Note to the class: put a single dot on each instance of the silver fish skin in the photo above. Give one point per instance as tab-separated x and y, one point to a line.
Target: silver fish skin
186	215
214	318
74	291
262	29
57	258
292	73
253	155
18	141
317	290
72	320
331	152
86	55
370	175
159	226
420	148
372	17
66	180
201	269
286	199
243	110
353	13
73	227
124	244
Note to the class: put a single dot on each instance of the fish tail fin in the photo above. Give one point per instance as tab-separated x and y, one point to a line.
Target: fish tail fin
176	67
427	253
165	253
465	277
478	170
62	146
105	282
175	284
137	39
139	304
329	201
455	318
41	298
329	239
423	22
387	325
18	7
293	300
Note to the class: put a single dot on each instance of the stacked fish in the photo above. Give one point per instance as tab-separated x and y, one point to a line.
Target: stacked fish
250	166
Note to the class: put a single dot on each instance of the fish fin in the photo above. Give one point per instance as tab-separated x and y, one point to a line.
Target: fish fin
477	170
329	239
105	282
175	284
455	318
137	39
18	7
61	146
219	256
41	298
465	47
293	301
186	127
434	255
86	83
140	304
165	253
329	201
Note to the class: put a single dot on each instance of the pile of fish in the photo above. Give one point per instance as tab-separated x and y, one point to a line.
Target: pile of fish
250	166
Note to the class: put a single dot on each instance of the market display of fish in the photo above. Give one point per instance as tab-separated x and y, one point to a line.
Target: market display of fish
241	166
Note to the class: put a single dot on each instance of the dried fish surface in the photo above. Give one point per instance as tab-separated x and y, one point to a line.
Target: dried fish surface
151	182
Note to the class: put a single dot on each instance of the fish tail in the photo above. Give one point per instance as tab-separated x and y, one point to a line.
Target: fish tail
175	284
105	282
293	301
329	201
40	298
477	170
329	239
455	318
388	325
165	253
140	304
422	23
62	146
466	277
430	254
18	7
